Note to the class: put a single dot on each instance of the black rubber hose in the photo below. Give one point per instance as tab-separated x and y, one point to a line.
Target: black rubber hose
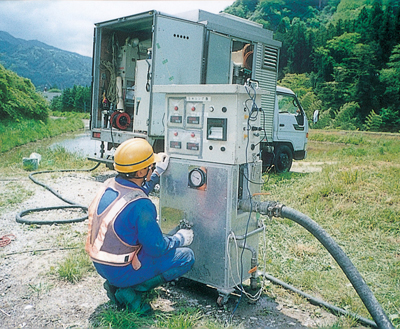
19	217
272	208
316	301
362	289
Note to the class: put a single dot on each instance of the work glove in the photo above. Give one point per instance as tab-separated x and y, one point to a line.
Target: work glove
186	237
163	164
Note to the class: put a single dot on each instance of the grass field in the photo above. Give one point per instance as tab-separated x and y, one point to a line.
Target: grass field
356	199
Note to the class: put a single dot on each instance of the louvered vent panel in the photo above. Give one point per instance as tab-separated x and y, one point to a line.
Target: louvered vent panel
270	58
266	76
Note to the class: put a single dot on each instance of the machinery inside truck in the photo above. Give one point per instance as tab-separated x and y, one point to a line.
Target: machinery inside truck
134	53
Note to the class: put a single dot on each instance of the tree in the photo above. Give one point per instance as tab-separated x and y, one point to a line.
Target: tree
344	45
354	74
72	99
389	77
299	48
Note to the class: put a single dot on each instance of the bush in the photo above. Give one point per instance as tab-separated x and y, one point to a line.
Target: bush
373	122
19	99
346	118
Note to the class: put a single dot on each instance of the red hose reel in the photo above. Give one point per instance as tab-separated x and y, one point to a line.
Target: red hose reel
120	120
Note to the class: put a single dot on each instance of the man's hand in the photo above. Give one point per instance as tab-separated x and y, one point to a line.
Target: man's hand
186	237
163	164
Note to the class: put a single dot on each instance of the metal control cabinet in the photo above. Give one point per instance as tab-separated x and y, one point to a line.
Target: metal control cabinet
210	122
214	164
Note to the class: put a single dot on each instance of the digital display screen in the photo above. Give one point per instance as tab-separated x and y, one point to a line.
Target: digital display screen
192	146
175	145
193	120
175	119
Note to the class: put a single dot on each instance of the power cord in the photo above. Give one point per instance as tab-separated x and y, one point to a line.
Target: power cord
257	295
254	109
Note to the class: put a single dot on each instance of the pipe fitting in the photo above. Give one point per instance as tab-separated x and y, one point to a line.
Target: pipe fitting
269	208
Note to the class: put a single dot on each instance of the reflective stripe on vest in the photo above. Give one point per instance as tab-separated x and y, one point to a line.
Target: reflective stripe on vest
103	244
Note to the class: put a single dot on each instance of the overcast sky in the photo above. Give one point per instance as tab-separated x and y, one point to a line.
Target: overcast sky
68	25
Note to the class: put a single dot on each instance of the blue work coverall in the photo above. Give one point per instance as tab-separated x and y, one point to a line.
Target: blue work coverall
137	224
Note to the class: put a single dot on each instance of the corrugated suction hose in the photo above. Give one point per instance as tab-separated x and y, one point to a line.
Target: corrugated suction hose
274	209
71	205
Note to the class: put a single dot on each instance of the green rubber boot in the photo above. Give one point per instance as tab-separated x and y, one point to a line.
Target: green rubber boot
111	290
150	284
130	298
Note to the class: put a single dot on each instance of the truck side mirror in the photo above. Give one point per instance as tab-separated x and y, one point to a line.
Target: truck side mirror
316	116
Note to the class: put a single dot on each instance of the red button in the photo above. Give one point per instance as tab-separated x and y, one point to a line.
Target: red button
175	133
192	134
176	108
193	108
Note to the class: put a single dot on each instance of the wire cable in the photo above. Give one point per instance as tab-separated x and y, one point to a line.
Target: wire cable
257	295
254	109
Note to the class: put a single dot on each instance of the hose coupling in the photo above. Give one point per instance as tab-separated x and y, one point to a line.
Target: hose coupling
275	210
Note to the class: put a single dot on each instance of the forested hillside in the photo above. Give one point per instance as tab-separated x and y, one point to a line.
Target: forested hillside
341	56
44	65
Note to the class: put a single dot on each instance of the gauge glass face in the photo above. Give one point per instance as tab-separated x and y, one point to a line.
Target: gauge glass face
196	178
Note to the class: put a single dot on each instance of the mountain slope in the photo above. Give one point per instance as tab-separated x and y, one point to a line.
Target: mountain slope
44	65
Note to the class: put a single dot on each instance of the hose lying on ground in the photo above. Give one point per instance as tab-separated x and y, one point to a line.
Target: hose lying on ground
71	205
319	302
271	208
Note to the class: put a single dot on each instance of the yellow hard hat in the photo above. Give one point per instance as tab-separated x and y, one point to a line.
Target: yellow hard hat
133	155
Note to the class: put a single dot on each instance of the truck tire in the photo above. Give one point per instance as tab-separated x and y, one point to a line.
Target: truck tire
283	159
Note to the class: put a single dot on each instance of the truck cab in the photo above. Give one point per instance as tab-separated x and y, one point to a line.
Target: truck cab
289	135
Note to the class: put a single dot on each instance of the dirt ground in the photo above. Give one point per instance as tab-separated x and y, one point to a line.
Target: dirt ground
31	296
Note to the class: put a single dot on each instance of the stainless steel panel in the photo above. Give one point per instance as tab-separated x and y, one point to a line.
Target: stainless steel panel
218	59
177	59
213	211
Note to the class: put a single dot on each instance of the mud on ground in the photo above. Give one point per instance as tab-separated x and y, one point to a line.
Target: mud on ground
32	296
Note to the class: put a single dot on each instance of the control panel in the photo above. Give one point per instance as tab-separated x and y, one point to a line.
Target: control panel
215	123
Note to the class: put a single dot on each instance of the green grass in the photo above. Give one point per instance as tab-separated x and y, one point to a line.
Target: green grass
51	159
110	317
14	134
13	193
75	266
79	115
356	199
182	318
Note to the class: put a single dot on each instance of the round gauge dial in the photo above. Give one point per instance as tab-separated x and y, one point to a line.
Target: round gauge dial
197	178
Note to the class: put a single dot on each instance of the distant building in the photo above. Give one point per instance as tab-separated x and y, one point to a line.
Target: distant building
49	95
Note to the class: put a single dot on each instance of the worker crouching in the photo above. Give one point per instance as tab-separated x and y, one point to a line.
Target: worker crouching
124	240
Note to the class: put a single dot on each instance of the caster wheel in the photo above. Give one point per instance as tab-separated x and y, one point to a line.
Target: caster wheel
222	300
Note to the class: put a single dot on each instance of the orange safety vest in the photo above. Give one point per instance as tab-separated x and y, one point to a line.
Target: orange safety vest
103	244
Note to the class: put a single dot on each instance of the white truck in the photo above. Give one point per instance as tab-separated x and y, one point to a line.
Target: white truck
134	53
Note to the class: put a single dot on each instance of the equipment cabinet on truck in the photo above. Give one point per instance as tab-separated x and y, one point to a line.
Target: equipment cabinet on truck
133	53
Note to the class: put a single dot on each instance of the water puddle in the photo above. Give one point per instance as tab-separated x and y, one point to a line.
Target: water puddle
80	144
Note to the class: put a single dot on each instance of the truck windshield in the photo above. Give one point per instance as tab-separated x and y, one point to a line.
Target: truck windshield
288	104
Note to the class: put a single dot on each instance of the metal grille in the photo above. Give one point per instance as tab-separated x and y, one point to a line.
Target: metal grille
266	76
270	58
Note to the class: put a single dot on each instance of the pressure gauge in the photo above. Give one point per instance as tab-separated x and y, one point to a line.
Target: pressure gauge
197	178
